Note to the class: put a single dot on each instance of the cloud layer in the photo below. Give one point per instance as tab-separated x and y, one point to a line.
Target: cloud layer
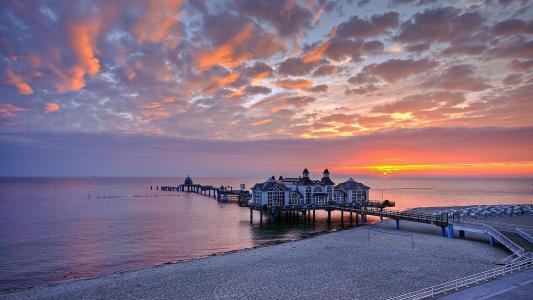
263	70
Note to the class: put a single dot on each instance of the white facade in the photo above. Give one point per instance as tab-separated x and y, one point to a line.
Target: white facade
305	192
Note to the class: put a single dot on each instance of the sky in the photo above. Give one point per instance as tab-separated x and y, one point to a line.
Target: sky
254	88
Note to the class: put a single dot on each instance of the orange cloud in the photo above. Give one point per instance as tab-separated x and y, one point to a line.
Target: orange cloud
261	123
315	53
292	84
18	82
217	83
225	54
51	107
9	110
259	77
83	39
73	81
159	18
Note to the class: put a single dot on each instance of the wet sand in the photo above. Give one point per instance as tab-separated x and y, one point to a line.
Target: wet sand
368	262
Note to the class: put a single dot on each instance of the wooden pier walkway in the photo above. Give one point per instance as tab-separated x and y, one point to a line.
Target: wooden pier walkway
361	210
224	194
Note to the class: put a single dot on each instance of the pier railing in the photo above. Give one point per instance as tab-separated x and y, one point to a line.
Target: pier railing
500	237
524	262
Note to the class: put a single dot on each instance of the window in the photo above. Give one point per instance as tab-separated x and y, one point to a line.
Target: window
257	197
308	195
358	195
320	199
339	197
294	199
276	197
330	193
317	190
361	195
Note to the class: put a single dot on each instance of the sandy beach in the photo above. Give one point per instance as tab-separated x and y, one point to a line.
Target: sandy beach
367	262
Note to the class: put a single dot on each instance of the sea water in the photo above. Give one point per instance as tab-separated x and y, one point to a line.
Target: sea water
59	229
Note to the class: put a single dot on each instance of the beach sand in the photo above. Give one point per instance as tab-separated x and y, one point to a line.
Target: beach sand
366	262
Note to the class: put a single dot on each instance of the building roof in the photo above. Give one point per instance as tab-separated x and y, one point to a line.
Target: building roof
326	181
188	180
305	181
351	184
269	185
290	180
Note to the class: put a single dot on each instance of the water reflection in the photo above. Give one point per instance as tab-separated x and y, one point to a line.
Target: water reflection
55	229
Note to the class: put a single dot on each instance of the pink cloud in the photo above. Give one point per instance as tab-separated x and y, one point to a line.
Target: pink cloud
51	107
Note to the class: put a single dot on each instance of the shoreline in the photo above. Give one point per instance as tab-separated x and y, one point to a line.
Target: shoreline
6	291
424	236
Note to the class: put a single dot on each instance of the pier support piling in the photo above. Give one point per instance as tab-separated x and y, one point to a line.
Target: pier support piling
443	231
329	216
251	215
461	233
397	224
450	231
492	241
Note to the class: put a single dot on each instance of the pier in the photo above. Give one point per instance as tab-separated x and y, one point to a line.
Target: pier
223	194
357	211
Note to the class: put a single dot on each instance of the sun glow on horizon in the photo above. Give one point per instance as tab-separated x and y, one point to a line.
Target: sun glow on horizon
467	168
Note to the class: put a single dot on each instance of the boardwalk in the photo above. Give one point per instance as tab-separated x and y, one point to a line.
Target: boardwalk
222	193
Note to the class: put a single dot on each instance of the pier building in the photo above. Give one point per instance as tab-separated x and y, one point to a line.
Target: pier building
303	191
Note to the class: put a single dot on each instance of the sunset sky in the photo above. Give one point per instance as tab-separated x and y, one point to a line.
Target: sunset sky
254	88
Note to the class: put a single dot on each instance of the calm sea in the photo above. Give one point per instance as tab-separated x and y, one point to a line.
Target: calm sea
57	229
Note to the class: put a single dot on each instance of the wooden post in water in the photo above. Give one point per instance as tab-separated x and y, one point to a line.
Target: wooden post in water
329	216
313	216
251	215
